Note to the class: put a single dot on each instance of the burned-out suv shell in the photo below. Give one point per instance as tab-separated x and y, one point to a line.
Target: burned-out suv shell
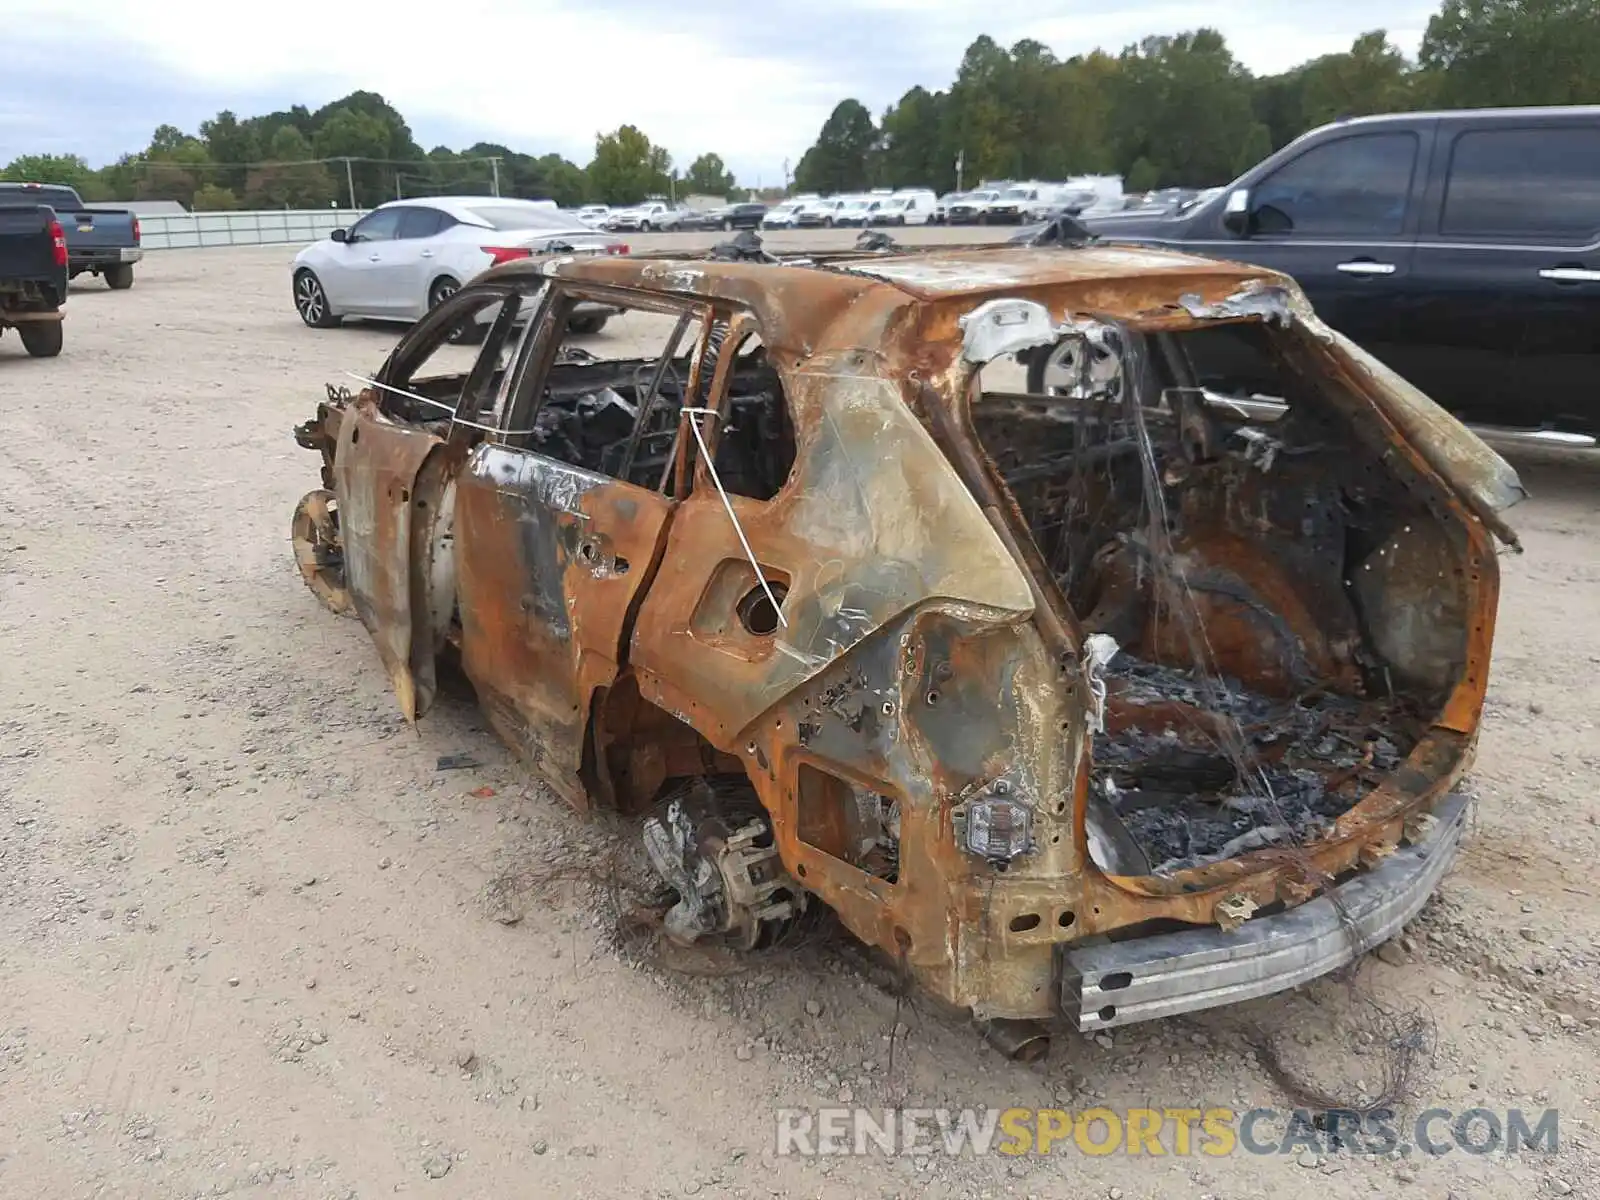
936	632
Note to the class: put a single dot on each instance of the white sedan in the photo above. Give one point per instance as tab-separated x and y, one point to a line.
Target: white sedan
404	257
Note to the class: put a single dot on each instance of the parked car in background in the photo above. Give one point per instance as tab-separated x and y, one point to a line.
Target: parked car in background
594	215
822	213
1460	248
784	215
941	208
648	217
100	241
1017	205
857	211
1167	199
700	218
914	206
33	274
972	208
739	216
408	256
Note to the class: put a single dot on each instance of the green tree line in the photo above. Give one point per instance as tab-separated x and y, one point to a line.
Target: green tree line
1176	109
1181	110
279	160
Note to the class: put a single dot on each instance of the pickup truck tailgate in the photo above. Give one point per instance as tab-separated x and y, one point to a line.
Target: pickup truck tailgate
88	230
27	251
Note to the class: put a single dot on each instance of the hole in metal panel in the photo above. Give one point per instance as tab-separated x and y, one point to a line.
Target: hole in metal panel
757	613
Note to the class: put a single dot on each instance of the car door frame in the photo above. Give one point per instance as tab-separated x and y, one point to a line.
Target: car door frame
401	277
553	559
394	479
1520	335
354	289
1368	305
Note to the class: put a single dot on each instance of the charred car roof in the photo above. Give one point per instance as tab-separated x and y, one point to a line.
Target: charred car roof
805	295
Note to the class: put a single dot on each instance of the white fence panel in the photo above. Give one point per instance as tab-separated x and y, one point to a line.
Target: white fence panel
267	227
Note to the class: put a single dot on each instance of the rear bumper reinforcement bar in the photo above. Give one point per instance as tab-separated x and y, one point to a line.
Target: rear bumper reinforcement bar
1118	983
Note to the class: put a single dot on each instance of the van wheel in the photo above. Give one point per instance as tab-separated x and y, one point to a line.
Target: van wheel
42	339
120	277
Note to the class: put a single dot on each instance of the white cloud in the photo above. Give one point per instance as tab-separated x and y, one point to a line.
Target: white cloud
696	75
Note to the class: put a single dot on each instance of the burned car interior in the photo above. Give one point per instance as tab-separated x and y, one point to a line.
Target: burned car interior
588	414
1027	607
1227	552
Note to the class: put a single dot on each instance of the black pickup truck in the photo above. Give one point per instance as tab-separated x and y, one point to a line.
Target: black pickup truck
100	241
33	276
1461	248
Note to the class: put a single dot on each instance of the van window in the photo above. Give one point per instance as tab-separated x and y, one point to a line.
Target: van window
1542	184
1353	186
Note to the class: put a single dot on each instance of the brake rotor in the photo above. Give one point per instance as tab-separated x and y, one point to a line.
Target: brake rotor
318	550
717	853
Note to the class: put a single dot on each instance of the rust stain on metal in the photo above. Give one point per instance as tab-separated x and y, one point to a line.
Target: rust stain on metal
930	735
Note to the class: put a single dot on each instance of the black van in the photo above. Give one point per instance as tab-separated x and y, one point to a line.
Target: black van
1461	248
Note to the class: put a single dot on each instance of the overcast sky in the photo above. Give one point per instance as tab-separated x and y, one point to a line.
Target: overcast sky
752	83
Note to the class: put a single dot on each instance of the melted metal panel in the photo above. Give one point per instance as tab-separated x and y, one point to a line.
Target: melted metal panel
375	469
550	560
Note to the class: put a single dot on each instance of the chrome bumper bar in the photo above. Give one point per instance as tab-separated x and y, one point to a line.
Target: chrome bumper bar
1118	983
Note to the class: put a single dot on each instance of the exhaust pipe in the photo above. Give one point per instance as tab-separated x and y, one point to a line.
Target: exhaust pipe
1020	1041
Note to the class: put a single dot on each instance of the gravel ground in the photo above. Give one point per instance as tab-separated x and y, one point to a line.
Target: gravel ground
252	941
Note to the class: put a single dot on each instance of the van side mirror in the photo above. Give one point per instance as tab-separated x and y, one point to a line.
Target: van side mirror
1236	213
340	235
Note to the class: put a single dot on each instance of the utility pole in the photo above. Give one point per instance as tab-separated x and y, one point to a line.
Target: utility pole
786	177
961	161
398	194
494	165
350	180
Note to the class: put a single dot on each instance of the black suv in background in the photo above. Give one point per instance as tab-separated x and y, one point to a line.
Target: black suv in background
1461	248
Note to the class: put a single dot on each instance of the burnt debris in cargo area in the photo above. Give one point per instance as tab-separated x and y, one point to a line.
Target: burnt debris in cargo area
1183	798
1207	508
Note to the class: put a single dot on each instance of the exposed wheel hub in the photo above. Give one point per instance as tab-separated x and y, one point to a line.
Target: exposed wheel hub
719	856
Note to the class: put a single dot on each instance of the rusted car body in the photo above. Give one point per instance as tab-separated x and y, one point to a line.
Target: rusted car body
1144	694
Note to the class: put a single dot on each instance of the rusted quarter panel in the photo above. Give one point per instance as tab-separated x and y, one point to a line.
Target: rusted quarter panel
872	522
551	558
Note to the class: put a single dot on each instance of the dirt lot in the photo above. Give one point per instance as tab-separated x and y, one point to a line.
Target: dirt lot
252	941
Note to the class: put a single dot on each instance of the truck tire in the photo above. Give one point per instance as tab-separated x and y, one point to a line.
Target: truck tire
42	339
120	277
587	326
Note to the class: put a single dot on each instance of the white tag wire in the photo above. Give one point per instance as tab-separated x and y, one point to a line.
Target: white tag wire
711	467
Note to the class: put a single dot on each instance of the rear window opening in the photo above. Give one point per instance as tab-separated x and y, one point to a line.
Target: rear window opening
1204	504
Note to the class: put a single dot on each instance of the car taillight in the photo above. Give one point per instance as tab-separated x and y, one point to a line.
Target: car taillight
136	231
618	248
58	242
501	254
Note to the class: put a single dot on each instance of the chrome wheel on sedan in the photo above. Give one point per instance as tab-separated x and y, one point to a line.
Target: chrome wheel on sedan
311	302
